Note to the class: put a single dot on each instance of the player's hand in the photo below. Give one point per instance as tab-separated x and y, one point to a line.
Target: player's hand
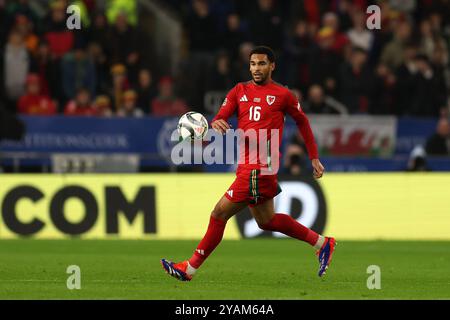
220	125
318	168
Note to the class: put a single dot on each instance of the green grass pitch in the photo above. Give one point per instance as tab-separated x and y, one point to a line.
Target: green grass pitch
245	269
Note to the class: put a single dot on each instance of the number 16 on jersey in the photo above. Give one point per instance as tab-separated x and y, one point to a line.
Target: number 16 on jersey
255	115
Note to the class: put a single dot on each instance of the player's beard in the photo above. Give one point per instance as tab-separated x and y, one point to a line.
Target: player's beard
261	80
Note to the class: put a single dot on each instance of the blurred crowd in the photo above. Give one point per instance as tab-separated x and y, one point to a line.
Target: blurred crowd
325	53
98	70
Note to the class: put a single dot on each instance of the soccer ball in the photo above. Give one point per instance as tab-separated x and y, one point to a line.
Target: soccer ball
192	125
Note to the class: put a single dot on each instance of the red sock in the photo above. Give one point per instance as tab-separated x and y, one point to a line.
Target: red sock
289	226
209	242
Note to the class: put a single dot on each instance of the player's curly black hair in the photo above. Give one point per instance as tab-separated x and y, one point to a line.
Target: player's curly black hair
264	50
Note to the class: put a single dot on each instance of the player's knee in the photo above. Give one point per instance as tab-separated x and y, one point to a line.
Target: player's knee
264	224
219	213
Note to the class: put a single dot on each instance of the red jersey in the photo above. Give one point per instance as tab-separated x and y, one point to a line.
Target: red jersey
263	107
36	105
72	109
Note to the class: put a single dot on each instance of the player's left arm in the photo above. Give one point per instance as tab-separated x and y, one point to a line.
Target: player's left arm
293	108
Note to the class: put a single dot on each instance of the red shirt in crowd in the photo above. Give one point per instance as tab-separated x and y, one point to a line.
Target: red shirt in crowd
72	109
36	105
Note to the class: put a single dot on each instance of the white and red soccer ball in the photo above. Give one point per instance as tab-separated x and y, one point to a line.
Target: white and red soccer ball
192	125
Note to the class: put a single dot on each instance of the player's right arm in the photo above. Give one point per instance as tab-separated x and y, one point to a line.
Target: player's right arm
229	105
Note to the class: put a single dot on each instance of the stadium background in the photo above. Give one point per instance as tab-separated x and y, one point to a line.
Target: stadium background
86	117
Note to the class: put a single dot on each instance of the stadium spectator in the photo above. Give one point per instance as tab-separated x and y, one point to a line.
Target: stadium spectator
233	35
440	59
384	97
124	48
45	67
318	102
356	82
18	7
389	21
393	53
118	7
201	30
436	47
78	71
25	27
427	39
102	105
60	39
405	75
310	11
34	102
146	90
438	144
130	109
295	161
241	64
167	103
16	62
427	97
359	35
100	31
266	24
221	77
324	62
440	63
298	48
436	20
120	84
81	105
96	54
345	10
340	39
201	35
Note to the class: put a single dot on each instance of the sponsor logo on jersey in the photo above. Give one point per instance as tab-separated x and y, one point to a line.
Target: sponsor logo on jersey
243	98
270	100
256	99
201	251
230	193
225	102
299	107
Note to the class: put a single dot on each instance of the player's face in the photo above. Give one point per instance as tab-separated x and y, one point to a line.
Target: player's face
261	68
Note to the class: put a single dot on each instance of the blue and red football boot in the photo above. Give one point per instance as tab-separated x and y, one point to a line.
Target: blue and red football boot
325	254
176	270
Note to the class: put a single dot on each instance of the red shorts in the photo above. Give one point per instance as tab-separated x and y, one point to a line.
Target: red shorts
252	187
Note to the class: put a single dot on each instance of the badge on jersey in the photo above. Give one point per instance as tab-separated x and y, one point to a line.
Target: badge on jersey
224	102
270	100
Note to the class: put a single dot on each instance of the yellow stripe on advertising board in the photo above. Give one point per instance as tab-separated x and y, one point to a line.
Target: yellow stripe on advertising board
183	204
360	206
388	205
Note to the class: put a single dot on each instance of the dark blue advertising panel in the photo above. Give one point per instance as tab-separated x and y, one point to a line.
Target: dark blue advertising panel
344	144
